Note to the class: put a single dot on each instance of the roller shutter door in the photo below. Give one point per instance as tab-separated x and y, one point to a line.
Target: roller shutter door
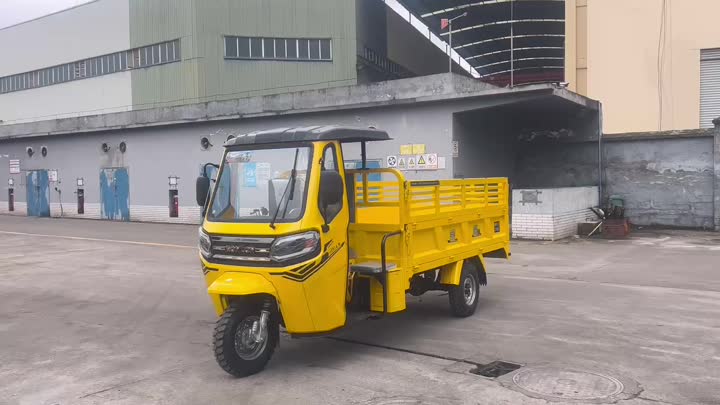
709	86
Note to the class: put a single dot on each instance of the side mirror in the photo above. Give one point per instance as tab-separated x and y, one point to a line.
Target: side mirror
202	187
331	188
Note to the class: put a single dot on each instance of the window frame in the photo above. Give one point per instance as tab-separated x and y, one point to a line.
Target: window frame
301	49
156	54
337	169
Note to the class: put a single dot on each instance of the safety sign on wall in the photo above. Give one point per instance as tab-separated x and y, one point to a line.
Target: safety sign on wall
425	161
402	163
14	166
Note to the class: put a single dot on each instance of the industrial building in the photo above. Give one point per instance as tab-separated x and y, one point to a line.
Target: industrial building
117	124
655	65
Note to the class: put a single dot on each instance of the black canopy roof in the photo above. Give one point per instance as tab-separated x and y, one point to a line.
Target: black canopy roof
344	134
483	37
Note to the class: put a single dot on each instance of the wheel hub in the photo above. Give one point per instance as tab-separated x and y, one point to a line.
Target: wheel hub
247	346
469	290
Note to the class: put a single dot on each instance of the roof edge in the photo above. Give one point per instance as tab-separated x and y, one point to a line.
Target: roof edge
434	88
49	15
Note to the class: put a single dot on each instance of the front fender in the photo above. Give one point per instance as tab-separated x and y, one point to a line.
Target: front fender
239	284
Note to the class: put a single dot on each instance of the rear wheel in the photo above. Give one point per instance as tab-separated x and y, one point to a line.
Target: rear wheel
464	297
237	349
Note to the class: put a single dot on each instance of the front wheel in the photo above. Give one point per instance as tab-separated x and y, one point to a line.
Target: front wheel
464	297
237	347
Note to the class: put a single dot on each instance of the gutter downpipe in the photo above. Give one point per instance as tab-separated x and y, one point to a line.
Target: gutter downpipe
600	154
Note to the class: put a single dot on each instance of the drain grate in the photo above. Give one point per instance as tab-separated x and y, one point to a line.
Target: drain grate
495	369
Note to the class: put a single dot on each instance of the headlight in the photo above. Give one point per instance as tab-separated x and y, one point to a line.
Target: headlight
204	243
295	246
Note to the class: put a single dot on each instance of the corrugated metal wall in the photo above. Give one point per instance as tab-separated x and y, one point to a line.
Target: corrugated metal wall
157	21
204	74
709	86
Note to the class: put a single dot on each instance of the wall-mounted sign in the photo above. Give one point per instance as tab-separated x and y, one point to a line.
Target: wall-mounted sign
455	149
418	149
406	149
14	166
426	161
53	176
392	161
402	163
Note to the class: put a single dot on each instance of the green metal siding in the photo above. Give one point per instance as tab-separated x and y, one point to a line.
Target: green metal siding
205	75
157	21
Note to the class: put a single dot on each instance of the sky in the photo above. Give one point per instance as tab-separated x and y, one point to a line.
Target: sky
17	11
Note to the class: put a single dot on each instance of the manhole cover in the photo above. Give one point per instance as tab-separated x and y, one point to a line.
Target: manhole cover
558	383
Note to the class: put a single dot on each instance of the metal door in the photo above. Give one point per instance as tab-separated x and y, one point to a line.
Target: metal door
709	86
38	193
115	194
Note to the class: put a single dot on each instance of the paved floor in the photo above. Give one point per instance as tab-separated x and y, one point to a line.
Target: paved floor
109	313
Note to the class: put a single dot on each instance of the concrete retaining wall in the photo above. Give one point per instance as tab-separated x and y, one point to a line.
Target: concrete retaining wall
665	178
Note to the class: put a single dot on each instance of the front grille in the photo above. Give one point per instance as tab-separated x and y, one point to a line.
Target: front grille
241	249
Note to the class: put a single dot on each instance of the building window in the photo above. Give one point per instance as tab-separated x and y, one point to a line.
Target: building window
289	49
256	48
157	54
231	47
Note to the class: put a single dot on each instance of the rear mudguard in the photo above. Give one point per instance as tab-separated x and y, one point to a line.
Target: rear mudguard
450	273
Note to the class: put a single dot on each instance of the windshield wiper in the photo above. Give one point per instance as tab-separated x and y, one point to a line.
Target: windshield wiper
290	186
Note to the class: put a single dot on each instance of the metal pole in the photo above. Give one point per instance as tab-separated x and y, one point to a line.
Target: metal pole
512	44
450	51
451	48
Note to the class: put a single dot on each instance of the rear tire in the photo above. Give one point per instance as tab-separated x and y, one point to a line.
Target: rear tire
464	297
235	351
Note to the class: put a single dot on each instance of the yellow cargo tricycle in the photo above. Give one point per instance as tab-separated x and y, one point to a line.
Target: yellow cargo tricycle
291	237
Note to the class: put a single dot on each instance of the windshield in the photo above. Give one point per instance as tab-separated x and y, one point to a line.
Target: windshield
255	186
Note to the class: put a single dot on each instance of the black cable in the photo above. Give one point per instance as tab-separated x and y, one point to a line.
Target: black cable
660	61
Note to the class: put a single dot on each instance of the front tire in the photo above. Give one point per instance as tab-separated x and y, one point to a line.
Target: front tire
464	297
236	351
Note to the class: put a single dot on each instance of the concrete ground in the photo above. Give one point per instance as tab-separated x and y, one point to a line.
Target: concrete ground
114	313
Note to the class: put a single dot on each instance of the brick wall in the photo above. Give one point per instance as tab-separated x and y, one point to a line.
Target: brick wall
551	214
533	226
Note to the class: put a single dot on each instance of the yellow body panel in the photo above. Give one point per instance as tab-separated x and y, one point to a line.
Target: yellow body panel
440	224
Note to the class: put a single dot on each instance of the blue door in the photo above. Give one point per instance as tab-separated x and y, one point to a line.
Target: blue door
38	193
115	194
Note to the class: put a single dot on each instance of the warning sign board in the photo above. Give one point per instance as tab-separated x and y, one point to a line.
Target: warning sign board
14	166
425	161
392	161
431	160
